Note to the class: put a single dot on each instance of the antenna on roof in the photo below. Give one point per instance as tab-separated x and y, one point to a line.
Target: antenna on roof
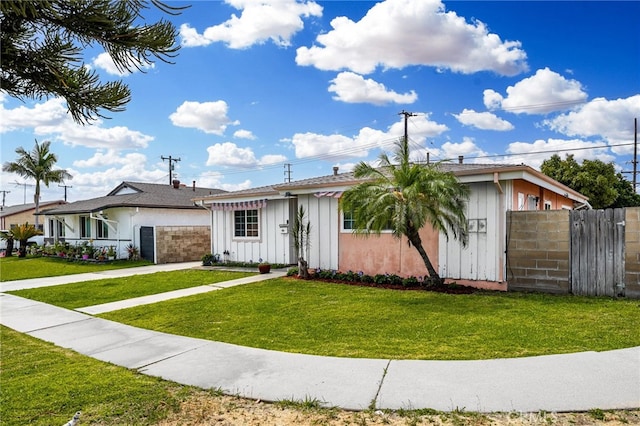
65	190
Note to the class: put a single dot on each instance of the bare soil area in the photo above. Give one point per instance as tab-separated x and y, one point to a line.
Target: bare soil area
203	408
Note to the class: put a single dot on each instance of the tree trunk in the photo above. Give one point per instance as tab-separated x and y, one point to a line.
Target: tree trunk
303	268
416	241
9	251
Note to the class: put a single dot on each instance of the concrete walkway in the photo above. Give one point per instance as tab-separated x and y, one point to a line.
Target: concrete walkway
572	382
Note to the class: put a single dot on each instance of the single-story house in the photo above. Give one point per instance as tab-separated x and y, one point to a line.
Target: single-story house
12	216
160	220
255	224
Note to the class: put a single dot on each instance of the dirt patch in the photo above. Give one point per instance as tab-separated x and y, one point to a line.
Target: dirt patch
203	408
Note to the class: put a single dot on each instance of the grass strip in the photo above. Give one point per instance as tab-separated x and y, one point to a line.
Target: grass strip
14	268
43	384
341	320
88	293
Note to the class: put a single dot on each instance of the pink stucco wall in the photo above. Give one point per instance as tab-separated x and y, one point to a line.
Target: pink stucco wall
386	254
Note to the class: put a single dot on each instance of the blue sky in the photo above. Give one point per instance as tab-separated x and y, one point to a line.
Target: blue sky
258	85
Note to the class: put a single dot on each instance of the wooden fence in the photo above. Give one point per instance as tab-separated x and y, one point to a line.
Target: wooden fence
597	258
583	252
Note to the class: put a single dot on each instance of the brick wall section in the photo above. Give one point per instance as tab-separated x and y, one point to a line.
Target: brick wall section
538	251
632	252
182	243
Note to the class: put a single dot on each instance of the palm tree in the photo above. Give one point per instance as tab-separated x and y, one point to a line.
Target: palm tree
22	233
38	165
302	243
404	197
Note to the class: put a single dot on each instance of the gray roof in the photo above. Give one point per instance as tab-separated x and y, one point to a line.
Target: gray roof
339	180
342	179
20	208
145	195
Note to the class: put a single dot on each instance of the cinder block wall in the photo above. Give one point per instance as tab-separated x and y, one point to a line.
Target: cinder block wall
632	252
182	243
538	251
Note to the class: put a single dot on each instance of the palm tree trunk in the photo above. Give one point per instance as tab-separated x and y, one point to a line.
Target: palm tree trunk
36	199
416	241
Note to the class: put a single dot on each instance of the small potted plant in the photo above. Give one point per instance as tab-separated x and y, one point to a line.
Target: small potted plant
111	253
264	267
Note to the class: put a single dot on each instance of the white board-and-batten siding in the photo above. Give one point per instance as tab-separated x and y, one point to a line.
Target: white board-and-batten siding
480	259
273	245
276	246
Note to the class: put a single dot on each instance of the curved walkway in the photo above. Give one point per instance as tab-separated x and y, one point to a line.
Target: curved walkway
571	382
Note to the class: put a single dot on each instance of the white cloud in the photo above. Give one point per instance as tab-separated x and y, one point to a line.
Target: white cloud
353	88
467	148
244	134
339	147
542	93
51	119
399	33
210	117
105	62
271	159
110	158
483	120
609	119
533	154
275	20
48	113
213	179
228	154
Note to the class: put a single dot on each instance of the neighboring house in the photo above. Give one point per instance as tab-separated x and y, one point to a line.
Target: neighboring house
161	220
255	224
12	216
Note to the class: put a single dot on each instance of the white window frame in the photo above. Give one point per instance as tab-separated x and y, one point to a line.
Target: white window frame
85	231
245	224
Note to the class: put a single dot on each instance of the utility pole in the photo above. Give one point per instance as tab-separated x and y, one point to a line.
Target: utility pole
406	130
287	173
634	179
65	190
635	152
171	161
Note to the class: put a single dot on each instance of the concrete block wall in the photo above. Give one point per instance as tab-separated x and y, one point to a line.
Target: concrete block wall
538	251
632	252
182	243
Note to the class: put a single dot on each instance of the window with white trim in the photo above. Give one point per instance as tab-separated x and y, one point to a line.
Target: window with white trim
56	228
349	223
246	223
102	229
85	227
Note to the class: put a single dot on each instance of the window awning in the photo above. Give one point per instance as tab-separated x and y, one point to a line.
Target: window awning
331	194
240	205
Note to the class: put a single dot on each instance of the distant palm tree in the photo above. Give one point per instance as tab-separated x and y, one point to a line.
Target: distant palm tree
38	165
404	197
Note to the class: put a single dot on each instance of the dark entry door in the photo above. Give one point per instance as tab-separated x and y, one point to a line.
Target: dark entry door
147	243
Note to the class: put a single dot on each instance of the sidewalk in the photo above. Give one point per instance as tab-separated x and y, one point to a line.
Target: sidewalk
572	382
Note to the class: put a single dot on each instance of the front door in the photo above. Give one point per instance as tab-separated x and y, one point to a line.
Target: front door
147	243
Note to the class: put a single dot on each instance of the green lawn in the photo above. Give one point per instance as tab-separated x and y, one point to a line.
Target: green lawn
43	384
341	320
14	268
88	293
